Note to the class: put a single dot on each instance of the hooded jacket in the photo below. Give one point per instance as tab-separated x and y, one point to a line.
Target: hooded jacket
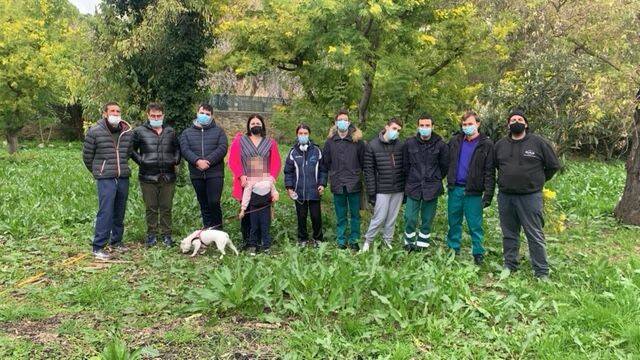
426	163
208	142
304	171
106	155
383	166
524	165
481	178
344	158
157	155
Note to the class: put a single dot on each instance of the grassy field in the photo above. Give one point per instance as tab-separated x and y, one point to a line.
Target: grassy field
324	303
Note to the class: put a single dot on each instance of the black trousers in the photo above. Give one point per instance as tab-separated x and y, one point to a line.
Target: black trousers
313	208
208	192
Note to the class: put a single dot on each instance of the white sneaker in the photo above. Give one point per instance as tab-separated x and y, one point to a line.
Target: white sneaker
388	244
365	247
101	255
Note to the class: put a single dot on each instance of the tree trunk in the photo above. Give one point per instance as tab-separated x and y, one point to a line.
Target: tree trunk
628	209
12	141
367	90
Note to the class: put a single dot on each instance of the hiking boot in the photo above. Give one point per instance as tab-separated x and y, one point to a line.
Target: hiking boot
355	247
478	259
168	241
151	241
101	255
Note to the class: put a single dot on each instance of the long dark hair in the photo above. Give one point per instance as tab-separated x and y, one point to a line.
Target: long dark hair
263	133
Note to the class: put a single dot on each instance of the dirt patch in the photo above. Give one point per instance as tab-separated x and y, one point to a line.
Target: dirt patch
42	331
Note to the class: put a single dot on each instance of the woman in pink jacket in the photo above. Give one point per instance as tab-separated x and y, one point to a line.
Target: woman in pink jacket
251	155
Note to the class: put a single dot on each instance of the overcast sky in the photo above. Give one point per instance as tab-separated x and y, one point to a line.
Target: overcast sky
85	6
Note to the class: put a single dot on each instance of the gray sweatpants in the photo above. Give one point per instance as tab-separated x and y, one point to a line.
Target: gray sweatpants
524	211
384	214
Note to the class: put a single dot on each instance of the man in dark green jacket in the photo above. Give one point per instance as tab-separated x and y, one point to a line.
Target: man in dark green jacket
426	162
525	162
106	151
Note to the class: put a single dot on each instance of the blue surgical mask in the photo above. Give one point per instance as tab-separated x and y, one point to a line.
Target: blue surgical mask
343	125
425	131
203	119
469	130
155	123
303	139
392	134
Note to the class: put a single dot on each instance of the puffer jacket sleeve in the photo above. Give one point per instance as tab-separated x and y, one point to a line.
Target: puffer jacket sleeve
89	150
186	151
137	158
489	175
443	159
369	170
176	148
220	151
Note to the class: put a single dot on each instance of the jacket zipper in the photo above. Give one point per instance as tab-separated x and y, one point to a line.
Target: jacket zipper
202	147
102	167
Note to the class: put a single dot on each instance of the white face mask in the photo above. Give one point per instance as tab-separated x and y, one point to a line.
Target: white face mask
114	120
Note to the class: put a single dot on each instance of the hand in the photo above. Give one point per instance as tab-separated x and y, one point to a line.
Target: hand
243	180
290	192
241	215
275	196
202	164
320	189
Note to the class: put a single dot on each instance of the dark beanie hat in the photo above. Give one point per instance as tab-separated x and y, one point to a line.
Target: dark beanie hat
518	112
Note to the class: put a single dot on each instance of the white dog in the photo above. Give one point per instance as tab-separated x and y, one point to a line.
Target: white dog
206	237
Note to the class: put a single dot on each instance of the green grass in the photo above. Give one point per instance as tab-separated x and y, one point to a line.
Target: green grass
322	303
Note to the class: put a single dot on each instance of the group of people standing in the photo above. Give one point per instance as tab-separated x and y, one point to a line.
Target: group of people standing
395	172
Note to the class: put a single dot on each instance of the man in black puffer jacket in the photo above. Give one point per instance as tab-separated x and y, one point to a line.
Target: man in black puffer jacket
204	146
106	150
384	180
426	162
157	151
471	182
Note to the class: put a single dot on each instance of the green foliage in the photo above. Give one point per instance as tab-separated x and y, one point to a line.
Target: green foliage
312	303
37	56
150	51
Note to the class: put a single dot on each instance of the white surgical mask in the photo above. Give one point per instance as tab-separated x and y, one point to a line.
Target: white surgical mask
114	120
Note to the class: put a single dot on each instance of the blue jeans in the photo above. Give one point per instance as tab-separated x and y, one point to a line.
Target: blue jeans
112	204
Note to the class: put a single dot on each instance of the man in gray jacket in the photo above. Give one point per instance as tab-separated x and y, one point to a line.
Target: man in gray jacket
107	148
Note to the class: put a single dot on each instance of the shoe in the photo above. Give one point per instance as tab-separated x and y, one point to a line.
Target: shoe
302	244
119	247
388	243
365	247
252	250
168	241
408	247
478	259
266	251
151	241
355	247
342	246
101	255
542	278
315	244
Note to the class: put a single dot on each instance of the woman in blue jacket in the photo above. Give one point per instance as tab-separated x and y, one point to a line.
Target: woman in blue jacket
305	179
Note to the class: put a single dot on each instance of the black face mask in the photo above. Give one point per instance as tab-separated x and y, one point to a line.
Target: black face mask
256	130
517	128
